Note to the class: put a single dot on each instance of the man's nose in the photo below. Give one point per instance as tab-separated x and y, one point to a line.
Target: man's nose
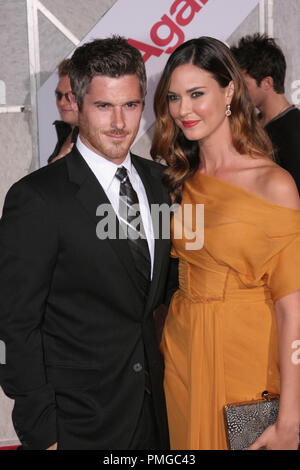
118	120
65	100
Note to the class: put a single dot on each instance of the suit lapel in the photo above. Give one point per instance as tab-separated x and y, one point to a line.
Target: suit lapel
153	187
90	195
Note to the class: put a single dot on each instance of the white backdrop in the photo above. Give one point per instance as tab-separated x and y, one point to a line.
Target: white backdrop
156	28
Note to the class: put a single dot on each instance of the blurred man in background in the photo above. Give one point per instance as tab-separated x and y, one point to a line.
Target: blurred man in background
263	65
66	129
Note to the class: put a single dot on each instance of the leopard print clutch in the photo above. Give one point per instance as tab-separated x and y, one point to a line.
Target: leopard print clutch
245	422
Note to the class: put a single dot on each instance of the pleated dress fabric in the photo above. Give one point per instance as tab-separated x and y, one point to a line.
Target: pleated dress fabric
220	336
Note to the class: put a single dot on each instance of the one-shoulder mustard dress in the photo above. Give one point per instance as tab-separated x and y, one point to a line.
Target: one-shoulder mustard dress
220	338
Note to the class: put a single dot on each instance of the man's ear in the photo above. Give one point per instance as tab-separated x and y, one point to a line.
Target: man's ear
230	91
267	83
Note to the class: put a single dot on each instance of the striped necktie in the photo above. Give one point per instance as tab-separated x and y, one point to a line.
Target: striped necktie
132	224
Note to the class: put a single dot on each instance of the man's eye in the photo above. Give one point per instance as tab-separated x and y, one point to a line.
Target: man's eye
132	105
103	105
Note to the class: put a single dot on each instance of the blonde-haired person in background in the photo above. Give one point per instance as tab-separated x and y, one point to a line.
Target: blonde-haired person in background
66	129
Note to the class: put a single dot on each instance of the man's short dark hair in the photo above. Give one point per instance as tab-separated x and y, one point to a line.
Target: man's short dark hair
261	57
64	68
112	57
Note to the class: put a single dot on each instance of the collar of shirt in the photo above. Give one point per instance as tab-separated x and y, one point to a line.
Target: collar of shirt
103	169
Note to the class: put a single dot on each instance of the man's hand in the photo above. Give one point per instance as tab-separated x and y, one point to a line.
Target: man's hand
53	447
66	148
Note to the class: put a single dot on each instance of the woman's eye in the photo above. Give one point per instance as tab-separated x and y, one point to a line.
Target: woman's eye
172	97
196	94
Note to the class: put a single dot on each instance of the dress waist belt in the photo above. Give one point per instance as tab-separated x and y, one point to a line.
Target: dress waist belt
213	282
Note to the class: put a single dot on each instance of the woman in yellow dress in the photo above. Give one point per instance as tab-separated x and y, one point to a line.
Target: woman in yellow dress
235	320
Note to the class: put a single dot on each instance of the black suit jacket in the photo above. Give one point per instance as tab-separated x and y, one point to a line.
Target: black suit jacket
76	329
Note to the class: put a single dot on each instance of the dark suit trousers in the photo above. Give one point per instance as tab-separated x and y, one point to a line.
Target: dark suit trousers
81	423
145	436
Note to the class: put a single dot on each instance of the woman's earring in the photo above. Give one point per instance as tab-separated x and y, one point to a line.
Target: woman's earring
228	110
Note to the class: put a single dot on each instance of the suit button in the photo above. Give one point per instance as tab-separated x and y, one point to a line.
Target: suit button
137	367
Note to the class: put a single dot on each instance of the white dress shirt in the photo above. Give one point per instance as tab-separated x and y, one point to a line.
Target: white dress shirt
105	171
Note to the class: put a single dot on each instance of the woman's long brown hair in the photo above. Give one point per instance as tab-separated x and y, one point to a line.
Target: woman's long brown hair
169	143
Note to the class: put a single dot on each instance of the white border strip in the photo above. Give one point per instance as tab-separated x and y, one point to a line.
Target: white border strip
36	43
12	109
270	18
58	24
262	19
34	69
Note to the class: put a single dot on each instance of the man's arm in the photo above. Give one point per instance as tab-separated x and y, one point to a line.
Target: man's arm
161	312
28	245
172	280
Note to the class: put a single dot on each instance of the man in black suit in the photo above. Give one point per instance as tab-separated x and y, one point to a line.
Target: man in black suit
76	305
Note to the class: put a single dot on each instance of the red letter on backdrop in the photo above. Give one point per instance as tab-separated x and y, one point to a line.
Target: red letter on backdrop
204	1
174	29
194	7
149	50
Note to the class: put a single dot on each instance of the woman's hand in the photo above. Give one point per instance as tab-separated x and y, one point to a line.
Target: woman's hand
278	437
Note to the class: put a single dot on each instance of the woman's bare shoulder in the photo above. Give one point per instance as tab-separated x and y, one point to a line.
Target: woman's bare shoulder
277	185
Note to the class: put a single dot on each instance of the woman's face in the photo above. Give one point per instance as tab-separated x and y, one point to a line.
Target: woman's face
197	103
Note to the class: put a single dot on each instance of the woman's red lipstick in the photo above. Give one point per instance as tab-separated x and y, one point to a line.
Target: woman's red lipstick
190	123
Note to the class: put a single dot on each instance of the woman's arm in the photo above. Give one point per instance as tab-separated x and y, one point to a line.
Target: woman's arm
288	323
284	434
281	189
